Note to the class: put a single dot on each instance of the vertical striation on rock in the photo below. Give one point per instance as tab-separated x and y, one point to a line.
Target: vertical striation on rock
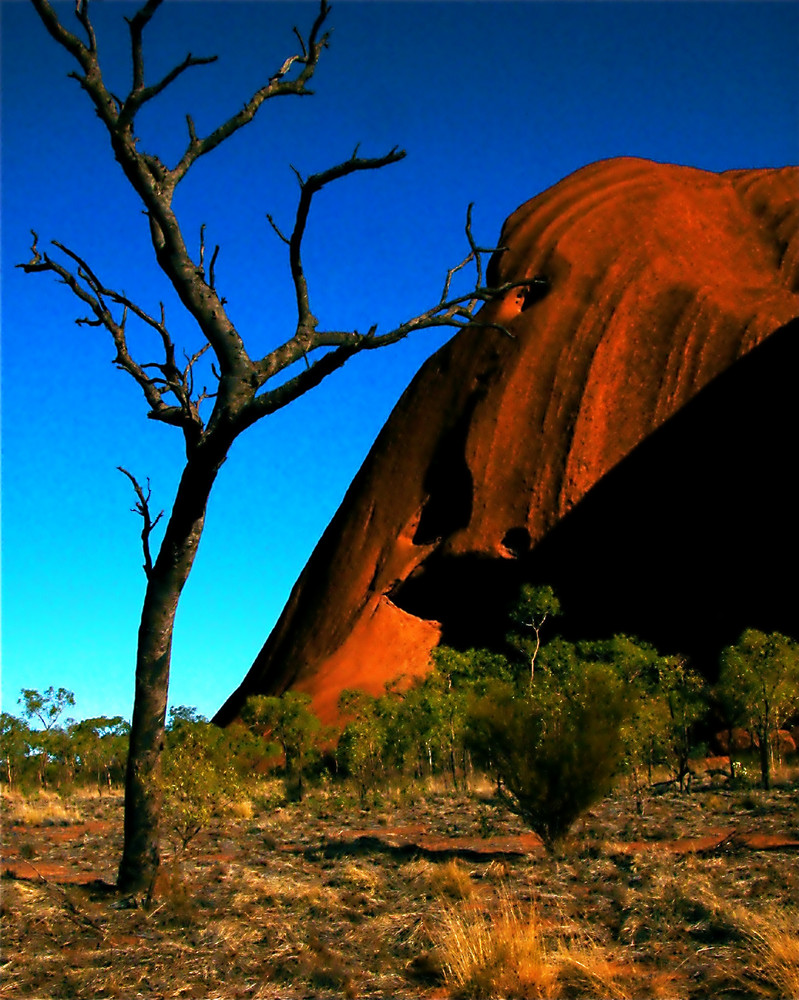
630	439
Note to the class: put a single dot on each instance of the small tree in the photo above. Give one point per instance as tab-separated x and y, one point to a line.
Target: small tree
433	713
15	742
458	676
646	725
244	387
758	687
375	742
101	744
46	709
685	695
199	776
289	721
528	615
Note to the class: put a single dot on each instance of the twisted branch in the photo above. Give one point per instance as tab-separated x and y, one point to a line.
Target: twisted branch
86	286
142	507
455	312
240	399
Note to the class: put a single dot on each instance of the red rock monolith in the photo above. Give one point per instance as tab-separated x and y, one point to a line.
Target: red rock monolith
630	439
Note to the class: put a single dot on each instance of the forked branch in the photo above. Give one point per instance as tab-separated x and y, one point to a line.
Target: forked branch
306	321
84	283
278	85
142	508
450	311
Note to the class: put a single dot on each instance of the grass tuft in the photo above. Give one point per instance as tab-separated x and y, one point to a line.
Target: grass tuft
495	953
773	940
451	879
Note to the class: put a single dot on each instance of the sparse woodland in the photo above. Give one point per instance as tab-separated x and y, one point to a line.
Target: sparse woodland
395	856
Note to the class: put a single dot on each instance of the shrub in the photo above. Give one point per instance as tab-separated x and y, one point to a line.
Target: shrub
555	750
758	687
288	721
199	778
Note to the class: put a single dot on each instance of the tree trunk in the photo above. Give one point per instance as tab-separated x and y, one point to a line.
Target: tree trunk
143	784
765	759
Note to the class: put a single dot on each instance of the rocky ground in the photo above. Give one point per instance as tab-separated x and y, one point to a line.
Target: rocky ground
418	894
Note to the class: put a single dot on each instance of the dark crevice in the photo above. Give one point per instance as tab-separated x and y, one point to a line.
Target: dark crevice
517	542
538	289
468	594
448	484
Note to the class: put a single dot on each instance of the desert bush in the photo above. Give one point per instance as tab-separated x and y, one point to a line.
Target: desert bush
199	778
554	750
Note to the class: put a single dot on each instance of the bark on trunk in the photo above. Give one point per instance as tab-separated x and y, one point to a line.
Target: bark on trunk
143	782
765	760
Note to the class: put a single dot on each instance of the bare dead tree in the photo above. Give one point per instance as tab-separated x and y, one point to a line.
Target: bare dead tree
246	388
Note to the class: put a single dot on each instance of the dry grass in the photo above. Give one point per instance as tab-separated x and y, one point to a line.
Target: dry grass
495	952
451	879
242	809
505	949
586	969
44	808
775	945
260	908
770	941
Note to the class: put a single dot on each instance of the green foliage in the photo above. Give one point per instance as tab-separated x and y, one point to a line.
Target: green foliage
61	751
418	730
101	746
472	668
686	698
527	617
47	707
199	777
49	745
180	715
372	745
758	687
553	749
288	721
15	737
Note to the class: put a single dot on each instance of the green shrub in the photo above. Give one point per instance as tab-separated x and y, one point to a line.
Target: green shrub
199	777
555	749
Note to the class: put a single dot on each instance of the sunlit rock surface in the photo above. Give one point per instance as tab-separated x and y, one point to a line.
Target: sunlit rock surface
632	439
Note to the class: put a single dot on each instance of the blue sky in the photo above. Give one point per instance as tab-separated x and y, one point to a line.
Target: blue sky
494	102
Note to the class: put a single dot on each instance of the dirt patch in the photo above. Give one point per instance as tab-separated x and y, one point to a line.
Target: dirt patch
330	898
61	834
47	871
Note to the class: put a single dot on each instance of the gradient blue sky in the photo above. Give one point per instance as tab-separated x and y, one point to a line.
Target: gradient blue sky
493	101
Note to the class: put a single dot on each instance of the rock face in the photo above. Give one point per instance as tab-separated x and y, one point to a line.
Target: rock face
631	440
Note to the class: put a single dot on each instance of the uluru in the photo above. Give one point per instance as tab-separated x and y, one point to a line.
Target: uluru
628	437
